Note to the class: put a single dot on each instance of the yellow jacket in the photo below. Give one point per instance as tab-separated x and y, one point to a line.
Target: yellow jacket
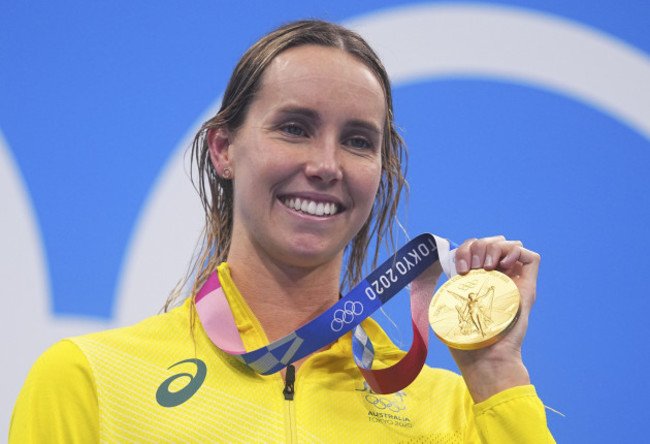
162	381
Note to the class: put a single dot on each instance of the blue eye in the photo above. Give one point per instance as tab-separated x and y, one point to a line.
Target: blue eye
293	130
358	142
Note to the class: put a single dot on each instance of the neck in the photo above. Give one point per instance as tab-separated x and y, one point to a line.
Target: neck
284	297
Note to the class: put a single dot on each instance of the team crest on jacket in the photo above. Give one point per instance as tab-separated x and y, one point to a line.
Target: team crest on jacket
386	409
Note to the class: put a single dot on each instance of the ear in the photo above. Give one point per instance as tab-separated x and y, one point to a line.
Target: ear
219	145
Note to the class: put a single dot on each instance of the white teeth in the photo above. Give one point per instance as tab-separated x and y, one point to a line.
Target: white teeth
334	208
311	207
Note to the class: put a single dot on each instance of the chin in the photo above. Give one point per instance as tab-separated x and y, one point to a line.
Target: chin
299	256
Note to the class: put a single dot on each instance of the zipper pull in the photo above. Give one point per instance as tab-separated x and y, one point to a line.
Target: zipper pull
290	379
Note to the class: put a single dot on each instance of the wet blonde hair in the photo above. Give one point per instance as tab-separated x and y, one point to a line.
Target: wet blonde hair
217	193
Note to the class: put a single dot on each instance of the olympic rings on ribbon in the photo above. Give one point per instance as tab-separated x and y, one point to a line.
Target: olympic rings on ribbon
346	315
405	266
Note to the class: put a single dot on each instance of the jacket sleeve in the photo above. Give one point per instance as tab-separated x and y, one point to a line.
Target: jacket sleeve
515	415
58	403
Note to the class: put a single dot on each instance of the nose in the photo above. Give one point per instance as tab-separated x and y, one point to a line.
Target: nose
324	163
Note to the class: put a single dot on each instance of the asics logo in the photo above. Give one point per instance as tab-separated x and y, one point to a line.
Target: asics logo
168	398
346	314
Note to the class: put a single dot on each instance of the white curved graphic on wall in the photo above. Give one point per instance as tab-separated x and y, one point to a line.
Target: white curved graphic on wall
26	322
427	42
24	283
165	238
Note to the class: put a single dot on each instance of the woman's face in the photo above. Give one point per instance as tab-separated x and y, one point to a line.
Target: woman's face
307	160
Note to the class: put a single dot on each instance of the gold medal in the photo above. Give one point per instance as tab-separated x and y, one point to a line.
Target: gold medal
474	310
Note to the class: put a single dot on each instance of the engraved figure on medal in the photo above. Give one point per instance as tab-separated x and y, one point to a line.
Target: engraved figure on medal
474	310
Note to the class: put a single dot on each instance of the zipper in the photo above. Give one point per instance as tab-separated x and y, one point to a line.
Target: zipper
289	412
290	380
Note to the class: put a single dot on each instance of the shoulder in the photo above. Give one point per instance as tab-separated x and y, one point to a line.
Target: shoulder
124	353
151	332
58	365
68	369
444	384
448	377
58	393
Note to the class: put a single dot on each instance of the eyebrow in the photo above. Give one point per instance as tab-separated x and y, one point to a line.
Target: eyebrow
314	116
300	111
369	126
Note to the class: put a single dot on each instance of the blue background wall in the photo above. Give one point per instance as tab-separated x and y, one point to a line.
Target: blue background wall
97	101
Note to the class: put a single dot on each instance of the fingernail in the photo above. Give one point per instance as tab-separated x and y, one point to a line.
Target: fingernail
488	261
462	266
476	262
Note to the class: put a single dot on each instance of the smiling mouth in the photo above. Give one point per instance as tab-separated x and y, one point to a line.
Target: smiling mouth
311	207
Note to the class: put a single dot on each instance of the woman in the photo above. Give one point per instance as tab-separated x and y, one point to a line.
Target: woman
301	163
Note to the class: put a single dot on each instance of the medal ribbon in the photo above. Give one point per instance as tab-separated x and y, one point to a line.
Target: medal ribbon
415	262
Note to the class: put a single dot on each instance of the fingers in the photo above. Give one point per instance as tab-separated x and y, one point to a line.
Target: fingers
495	252
477	253
527	258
